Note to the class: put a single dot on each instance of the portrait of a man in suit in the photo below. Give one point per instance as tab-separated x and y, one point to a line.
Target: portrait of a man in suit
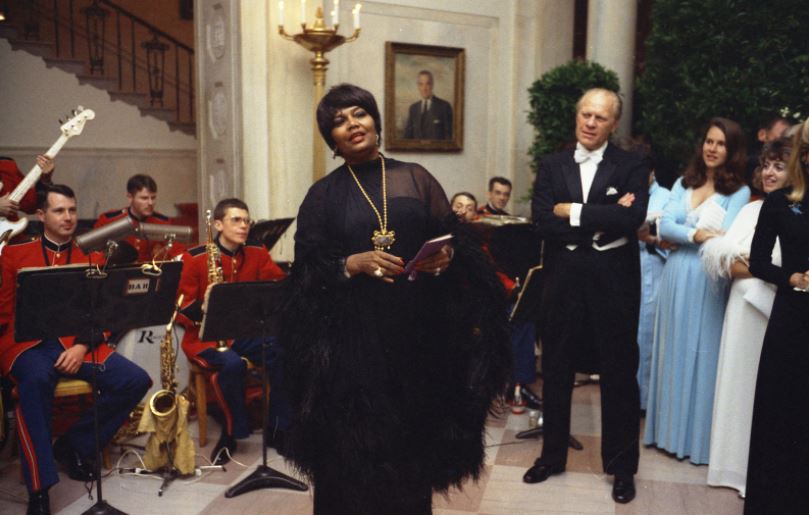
430	117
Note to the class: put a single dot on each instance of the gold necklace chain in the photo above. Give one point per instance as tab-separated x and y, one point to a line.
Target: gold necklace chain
381	239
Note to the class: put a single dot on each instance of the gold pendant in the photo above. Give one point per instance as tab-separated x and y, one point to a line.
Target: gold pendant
383	239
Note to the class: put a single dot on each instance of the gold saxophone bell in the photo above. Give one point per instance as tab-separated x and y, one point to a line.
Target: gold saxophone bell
163	403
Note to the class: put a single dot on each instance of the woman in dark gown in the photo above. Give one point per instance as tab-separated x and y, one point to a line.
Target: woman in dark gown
390	379
778	470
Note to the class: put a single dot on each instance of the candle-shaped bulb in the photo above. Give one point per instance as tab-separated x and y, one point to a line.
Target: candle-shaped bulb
356	13
281	12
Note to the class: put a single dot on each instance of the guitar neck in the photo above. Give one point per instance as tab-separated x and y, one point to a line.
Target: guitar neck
33	176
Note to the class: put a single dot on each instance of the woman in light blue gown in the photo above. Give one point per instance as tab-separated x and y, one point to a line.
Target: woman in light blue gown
690	309
653	254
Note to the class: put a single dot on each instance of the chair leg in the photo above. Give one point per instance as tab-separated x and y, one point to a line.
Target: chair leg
202	407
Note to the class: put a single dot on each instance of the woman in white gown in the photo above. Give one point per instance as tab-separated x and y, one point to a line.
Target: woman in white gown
746	317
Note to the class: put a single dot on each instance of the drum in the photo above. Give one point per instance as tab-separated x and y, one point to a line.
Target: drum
142	347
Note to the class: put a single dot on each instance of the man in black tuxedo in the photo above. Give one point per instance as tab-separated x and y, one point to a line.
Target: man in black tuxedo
587	206
430	117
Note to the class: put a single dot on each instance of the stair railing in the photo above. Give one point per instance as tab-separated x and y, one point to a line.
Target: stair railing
145	56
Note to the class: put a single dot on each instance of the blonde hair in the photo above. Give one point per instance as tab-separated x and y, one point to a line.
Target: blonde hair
797	175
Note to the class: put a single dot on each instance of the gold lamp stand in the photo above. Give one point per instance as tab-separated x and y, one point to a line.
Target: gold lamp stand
319	39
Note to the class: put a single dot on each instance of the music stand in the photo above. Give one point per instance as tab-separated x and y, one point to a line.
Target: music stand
83	300
247	310
268	232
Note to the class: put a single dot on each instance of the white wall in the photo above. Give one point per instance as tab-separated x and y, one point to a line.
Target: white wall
508	44
118	143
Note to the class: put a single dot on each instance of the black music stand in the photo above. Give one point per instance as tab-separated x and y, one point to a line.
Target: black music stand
84	300
268	232
248	310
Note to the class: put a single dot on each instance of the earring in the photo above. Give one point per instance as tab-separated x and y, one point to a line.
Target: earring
378	139
334	152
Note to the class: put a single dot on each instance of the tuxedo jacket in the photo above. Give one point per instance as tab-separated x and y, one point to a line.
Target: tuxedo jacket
558	180
436	123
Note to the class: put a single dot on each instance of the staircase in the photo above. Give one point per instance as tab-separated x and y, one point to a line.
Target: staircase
110	48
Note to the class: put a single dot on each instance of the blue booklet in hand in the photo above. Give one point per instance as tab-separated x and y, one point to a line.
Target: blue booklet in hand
429	248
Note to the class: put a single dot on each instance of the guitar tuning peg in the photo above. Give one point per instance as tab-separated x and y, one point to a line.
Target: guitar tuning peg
61	122
80	109
72	113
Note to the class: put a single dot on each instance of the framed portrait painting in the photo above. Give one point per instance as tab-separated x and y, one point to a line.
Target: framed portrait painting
424	92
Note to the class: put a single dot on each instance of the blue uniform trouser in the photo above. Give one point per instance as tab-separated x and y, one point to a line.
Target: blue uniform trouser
229	387
121	384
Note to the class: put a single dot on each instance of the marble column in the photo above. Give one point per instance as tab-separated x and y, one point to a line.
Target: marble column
611	28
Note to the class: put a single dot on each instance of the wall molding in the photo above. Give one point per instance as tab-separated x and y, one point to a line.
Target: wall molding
139	153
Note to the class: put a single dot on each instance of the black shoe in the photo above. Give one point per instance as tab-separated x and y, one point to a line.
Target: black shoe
220	456
623	489
276	439
76	467
39	503
540	472
531	399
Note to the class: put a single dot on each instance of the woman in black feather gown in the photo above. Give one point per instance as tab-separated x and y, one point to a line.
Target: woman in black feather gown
390	379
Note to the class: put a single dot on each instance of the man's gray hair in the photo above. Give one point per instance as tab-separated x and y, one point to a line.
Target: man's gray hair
617	103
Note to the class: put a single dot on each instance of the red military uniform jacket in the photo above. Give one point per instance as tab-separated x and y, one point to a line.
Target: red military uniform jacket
36	253
252	262
11	176
146	249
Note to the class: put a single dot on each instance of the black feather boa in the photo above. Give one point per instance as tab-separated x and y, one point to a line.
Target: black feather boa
391	385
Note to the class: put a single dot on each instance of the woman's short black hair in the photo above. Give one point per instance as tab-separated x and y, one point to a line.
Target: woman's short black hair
340	97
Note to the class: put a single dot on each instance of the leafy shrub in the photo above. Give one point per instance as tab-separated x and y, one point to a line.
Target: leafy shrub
741	59
553	103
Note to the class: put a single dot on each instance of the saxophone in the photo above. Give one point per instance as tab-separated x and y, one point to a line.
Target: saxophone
164	402
169	447
215	273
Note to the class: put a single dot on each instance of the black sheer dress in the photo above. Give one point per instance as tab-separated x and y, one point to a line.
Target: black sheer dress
390	383
778	469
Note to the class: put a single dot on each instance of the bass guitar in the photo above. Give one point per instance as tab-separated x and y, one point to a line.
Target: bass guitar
73	127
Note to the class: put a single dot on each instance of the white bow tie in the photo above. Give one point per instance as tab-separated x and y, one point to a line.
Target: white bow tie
582	154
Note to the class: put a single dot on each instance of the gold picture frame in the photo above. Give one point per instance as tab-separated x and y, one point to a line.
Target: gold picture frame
424	97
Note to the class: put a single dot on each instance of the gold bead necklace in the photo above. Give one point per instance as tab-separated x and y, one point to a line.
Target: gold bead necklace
381	239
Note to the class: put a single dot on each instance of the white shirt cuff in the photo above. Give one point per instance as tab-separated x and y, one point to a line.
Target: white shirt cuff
691	234
575	214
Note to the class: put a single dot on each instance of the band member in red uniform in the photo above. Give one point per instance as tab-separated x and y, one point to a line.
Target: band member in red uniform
142	194
240	261
11	176
499	195
35	367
